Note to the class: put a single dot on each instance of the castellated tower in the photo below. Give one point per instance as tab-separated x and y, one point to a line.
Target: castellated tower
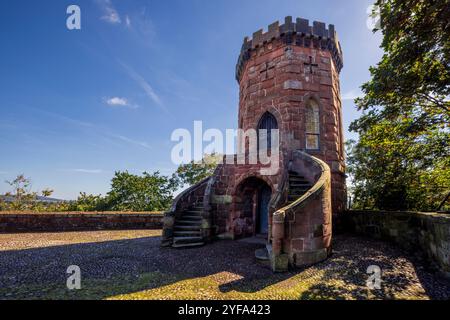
292	71
289	81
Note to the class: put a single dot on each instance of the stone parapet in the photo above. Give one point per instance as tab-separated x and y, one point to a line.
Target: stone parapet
78	221
299	33
427	232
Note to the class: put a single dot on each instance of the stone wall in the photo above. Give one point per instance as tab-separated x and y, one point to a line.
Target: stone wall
280	72
77	221
228	220
413	231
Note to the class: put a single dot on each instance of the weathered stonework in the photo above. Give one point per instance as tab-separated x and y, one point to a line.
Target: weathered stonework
274	72
413	231
280	74
78	221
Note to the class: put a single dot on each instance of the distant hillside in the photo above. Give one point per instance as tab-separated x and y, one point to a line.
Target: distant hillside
38	199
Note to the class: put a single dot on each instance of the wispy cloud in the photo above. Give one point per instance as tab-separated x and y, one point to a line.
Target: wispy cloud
148	89
132	141
352	94
119	102
110	14
98	130
127	21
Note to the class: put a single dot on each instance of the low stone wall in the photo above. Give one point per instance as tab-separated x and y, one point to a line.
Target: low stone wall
78	221
413	231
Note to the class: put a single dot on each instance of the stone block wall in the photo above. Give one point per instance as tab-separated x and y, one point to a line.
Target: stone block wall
227	218
428	233
308	230
78	221
279	72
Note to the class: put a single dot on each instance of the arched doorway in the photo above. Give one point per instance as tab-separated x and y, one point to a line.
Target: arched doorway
252	205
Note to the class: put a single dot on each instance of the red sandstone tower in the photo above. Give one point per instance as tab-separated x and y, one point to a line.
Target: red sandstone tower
289	81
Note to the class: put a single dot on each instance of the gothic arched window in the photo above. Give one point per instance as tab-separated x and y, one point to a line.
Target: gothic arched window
312	125
267	123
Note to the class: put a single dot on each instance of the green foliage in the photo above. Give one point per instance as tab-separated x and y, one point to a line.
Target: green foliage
88	202
23	197
402	160
194	172
149	192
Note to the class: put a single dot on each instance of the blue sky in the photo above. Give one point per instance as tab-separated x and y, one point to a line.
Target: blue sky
78	105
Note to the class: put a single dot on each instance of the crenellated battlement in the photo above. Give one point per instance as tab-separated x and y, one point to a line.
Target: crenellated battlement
299	33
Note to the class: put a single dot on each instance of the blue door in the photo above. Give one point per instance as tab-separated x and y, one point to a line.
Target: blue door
264	199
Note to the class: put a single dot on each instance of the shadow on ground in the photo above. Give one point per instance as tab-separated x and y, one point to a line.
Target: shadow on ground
223	269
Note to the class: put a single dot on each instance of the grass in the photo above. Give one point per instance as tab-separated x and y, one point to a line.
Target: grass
163	286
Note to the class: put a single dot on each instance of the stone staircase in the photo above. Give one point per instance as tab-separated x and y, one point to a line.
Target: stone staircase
188	228
298	186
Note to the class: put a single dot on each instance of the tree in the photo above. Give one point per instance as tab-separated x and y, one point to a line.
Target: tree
21	192
402	158
21	188
89	202
149	192
194	172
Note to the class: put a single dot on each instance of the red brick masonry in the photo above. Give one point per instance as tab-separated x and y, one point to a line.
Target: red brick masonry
78	221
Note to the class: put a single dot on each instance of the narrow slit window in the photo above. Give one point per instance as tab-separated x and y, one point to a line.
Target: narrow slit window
312	126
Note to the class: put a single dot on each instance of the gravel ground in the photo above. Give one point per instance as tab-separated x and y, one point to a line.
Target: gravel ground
131	265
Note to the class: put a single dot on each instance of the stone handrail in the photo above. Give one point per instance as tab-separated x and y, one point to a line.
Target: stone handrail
187	192
171	214
279	217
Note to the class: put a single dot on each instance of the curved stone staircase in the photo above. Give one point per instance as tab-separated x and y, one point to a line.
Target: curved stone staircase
188	228
298	186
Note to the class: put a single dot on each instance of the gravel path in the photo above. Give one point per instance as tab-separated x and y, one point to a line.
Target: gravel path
131	265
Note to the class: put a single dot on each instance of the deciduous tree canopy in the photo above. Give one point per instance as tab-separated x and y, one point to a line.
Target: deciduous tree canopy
402	160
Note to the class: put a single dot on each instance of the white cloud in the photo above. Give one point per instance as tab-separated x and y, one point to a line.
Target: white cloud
148	89
352	95
111	15
116	101
119	102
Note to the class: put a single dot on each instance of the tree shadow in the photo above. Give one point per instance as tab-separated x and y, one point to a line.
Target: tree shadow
119	267
402	274
126	266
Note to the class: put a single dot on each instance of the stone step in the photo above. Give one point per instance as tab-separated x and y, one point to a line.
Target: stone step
187	245
187	228
293	198
193	212
191	217
298	181
187	233
189	239
297	190
299	185
188	222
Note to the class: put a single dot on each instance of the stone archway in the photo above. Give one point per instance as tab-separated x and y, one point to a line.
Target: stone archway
251	206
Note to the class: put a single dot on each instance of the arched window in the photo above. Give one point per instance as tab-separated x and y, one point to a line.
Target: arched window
312	125
267	123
